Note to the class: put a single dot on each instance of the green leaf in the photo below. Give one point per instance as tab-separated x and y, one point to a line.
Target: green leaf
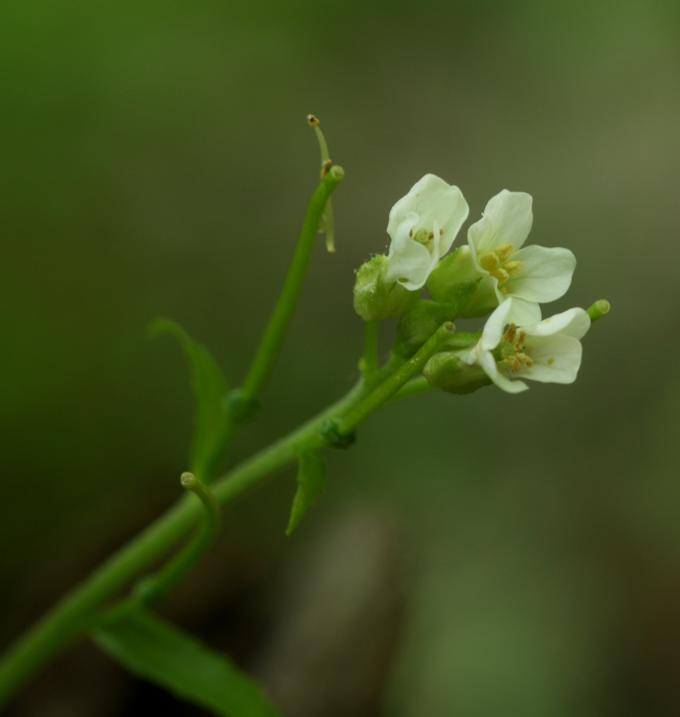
157	651
210	389
311	480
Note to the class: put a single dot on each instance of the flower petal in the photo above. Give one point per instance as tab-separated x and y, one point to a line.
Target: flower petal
448	211
556	359
573	322
488	364
432	199
507	219
495	324
544	273
407	204
523	313
469	356
408	261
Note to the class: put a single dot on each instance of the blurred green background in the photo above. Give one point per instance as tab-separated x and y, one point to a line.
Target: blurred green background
472	556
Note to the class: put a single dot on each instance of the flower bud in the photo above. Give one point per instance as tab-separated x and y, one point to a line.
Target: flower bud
376	298
419	323
599	309
446	371
457	281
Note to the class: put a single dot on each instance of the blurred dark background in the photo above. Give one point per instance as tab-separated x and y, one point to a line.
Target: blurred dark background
472	555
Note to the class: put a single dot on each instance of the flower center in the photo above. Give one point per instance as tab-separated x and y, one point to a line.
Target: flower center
513	352
499	264
424	236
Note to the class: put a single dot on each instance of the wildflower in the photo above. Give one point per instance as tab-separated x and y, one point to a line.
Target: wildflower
548	351
531	275
422	227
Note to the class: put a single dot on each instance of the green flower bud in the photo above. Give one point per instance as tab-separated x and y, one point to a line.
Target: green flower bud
599	309
376	298
446	371
457	281
419	323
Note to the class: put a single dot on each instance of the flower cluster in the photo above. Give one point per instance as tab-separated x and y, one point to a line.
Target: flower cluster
494	274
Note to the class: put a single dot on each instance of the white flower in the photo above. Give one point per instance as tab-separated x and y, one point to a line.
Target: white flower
533	274
548	351
422	227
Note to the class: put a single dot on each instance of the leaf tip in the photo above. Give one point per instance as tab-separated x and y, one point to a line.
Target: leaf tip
160	326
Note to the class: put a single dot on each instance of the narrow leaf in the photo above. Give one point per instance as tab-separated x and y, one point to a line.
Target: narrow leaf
159	652
210	388
311	480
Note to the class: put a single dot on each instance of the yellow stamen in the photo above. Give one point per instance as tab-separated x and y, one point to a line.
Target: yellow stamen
501	275
504	251
510	333
512	351
497	264
423	236
490	262
525	359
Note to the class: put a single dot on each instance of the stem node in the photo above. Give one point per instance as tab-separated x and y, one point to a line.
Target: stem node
334	437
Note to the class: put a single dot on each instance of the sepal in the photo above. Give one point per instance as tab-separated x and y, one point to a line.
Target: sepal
457	281
447	372
376	297
419	323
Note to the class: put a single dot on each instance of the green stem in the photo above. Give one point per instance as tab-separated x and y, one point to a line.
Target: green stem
414	387
245	398
273	336
391	385
154	588
369	361
328	221
76	611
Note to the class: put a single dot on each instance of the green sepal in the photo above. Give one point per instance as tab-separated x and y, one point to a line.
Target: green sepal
210	389
457	281
375	298
419	323
161	653
311	480
447	372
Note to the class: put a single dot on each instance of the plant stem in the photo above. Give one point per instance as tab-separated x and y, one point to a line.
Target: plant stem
154	588
369	361
391	385
414	387
273	336
76	611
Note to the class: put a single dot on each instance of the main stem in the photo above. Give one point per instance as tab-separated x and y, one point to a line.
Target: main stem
73	614
77	610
